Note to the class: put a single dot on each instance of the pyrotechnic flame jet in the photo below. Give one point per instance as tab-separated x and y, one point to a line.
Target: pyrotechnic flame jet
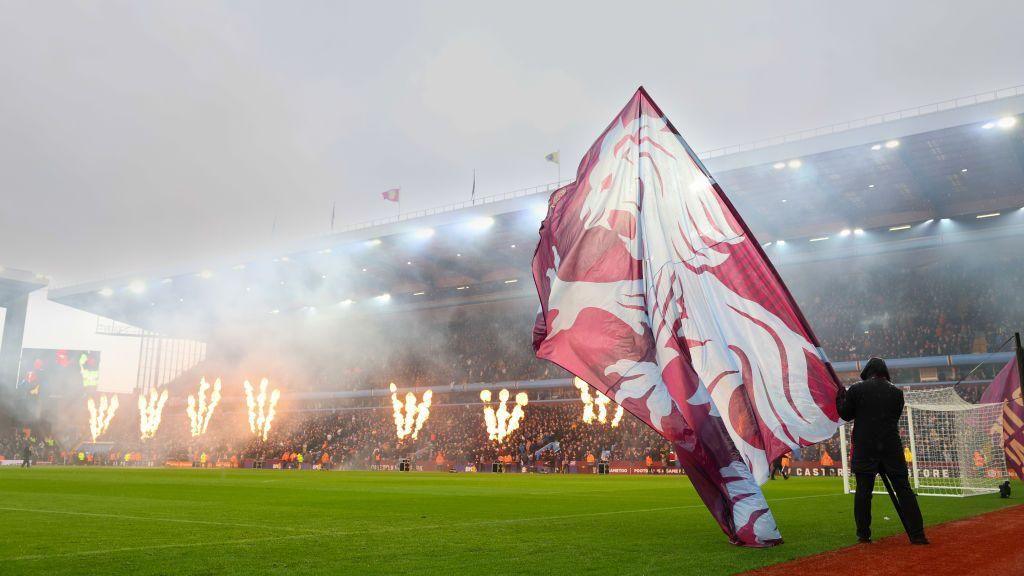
150	413
489	418
199	416
599	400
409	417
502	422
99	418
261	412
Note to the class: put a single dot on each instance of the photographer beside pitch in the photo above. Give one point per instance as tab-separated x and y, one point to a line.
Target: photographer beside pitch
875	406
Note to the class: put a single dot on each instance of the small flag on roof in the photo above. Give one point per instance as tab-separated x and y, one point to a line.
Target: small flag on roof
391	195
553	157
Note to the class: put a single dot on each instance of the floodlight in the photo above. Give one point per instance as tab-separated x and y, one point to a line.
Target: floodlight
481	223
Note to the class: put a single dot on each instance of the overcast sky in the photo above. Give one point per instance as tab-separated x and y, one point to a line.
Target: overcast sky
140	135
137	134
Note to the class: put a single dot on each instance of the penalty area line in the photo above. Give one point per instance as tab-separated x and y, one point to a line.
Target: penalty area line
331	533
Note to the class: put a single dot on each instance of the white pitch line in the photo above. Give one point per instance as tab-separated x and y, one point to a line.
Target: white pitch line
334	533
149	518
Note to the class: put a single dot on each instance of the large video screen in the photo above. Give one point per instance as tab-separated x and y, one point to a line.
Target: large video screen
48	373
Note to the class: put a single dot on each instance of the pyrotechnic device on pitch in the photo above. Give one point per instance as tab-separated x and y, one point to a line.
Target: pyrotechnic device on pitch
261	408
501	422
101	414
150	411
410	416
199	411
598	401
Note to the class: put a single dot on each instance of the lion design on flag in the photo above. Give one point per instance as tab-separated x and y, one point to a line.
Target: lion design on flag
657	295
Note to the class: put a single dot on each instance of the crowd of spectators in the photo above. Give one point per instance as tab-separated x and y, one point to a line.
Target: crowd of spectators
551	434
937	307
18	440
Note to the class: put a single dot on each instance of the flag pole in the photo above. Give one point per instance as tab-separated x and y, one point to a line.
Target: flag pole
1020	361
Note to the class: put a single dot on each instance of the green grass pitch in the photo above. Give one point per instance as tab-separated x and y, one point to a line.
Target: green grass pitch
167	521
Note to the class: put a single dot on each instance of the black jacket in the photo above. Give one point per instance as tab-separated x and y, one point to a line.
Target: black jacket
875	406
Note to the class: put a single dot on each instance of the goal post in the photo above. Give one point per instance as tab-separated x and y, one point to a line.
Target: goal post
952	447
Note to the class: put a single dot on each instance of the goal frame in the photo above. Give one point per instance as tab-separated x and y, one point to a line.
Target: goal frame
961	485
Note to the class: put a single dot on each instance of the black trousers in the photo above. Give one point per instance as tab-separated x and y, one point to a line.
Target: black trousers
906	496
778	468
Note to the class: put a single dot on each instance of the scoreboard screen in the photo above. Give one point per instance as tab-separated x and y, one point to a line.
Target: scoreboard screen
48	373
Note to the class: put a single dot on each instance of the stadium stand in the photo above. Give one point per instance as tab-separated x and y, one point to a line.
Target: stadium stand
444	298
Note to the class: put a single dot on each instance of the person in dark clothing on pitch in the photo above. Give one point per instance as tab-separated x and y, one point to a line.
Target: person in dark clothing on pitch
778	467
875	406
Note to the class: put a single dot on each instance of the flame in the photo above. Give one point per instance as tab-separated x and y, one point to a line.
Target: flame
618	416
100	417
150	413
502	422
261	411
600	401
199	416
410	416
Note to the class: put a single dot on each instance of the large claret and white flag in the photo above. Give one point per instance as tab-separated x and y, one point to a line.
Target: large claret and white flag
1005	387
653	291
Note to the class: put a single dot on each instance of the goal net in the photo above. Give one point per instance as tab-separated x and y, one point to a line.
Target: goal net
952	447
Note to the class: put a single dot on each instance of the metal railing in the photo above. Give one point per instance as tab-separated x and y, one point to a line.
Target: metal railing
867	121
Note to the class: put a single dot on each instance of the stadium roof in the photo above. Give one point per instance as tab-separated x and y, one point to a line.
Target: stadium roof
942	173
17	283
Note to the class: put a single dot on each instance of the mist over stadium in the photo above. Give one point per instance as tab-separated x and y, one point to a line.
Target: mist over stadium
349	373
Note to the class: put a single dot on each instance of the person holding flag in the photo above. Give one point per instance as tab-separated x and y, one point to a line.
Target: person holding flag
875	407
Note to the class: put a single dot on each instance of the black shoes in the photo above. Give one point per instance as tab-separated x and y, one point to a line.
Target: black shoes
917	540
